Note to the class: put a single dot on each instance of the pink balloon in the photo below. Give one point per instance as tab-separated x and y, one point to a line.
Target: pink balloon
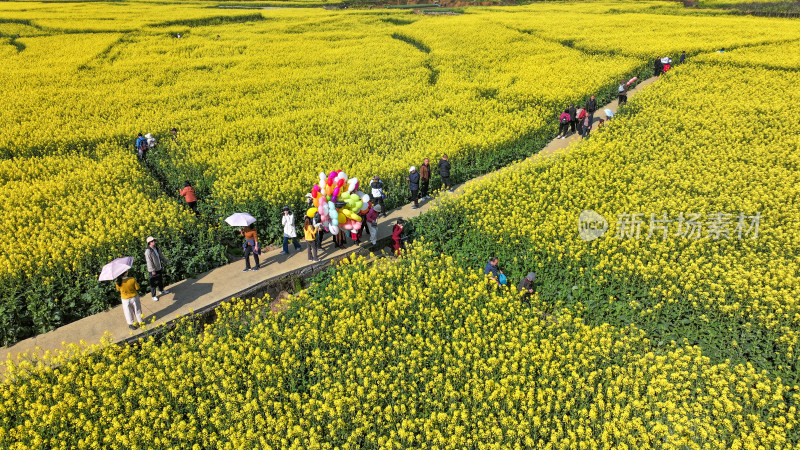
356	188
357	226
315	188
332	175
347	226
335	193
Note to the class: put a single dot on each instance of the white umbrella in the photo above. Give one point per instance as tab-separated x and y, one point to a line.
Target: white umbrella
115	268
240	220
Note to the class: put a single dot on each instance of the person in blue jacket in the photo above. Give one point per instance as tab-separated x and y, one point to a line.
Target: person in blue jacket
492	269
141	146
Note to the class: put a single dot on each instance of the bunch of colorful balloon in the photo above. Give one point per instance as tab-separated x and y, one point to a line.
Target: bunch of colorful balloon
339	202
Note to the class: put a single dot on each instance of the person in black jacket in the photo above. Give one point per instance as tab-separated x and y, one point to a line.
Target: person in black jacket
413	185
591	107
658	67
573	118
683	56
444	172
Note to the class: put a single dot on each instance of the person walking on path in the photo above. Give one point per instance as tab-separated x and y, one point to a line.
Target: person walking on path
413	185
622	92
311	239
376	193
191	199
372	223
155	265
563	124
492	269
683	57
250	247
129	293
289	231
526	286
658	67
444	172
591	107
397	236
424	178
579	120
573	118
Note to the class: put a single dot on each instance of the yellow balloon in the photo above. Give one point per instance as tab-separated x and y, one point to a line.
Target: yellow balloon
311	212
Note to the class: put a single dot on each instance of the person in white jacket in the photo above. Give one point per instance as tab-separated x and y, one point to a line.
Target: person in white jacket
289	231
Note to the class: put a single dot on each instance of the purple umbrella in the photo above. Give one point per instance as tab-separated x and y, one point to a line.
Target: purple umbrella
115	268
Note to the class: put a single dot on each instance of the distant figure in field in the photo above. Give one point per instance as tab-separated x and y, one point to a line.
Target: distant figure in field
563	124
493	270
591	107
174	133
683	57
722	50
444	172
526	286
658	67
191	199
141	146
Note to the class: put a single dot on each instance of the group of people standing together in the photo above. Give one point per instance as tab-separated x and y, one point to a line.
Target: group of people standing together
578	119
314	232
129	287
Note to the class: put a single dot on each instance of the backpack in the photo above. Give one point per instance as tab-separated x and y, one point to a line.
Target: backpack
502	279
564	120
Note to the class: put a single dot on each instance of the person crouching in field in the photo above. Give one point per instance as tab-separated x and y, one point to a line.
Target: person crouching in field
129	293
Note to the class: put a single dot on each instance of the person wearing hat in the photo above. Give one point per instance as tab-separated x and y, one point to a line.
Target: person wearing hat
526	285
289	231
376	193
155	266
372	223
174	133
413	184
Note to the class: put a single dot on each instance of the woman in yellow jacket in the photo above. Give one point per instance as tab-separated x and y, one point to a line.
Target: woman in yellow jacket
129	291
311	239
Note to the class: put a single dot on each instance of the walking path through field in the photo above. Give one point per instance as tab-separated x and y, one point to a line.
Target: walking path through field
217	285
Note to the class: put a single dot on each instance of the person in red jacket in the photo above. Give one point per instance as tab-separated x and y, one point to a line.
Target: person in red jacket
563	124
191	199
397	233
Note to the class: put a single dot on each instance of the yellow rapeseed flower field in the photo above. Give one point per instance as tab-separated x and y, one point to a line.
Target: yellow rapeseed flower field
696	179
415	353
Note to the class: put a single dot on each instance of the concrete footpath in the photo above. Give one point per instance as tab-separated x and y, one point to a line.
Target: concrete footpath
194	294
